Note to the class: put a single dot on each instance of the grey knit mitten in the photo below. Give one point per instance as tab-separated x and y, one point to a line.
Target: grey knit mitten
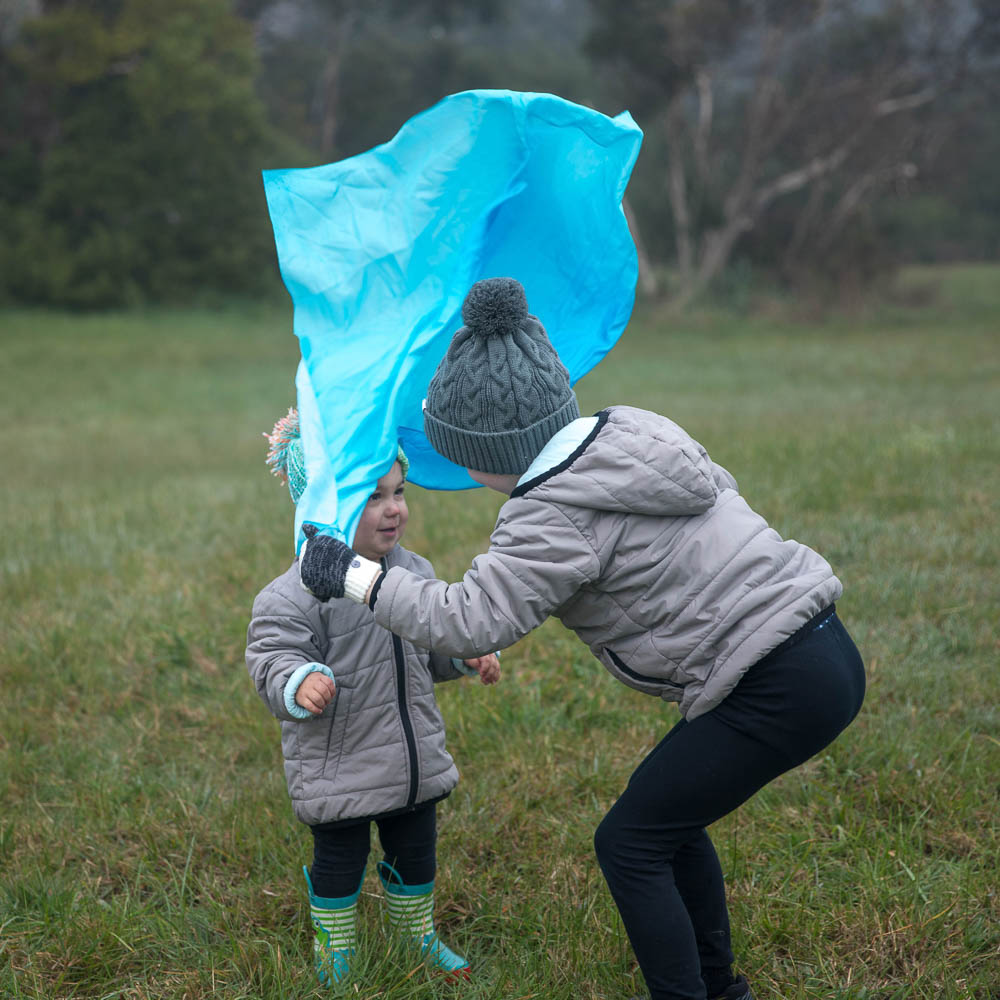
328	568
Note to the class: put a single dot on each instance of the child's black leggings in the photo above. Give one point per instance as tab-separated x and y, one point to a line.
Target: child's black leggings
652	846
340	850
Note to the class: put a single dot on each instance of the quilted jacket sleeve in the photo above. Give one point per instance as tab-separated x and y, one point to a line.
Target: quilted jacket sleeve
280	640
537	560
443	668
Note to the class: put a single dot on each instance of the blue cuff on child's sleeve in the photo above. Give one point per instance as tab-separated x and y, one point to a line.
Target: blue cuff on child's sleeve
295	710
461	667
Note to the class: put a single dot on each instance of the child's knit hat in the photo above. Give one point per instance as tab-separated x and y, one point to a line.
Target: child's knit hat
287	459
501	391
284	454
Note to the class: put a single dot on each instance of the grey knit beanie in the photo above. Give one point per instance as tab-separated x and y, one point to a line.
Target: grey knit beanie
501	391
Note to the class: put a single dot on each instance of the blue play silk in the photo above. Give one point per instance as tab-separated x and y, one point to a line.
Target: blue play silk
379	250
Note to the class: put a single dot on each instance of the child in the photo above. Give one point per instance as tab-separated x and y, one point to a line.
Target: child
622	526
362	735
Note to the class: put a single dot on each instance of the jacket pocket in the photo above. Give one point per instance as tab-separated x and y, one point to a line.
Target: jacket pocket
658	684
336	733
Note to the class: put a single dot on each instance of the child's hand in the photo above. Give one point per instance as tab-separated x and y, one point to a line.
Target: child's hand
315	692
488	667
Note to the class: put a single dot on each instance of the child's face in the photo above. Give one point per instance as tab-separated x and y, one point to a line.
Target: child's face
384	518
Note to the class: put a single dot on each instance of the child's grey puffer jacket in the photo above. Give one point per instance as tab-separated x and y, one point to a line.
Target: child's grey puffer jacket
644	547
379	745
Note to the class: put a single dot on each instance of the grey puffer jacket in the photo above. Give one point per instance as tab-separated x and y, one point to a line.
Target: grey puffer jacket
379	745
637	541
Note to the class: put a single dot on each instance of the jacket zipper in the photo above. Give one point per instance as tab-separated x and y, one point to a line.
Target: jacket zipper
404	715
404	710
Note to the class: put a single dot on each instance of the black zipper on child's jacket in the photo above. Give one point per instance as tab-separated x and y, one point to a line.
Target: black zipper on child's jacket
404	715
404	711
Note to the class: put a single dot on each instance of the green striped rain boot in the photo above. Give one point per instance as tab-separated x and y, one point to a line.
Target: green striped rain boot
335	923
411	914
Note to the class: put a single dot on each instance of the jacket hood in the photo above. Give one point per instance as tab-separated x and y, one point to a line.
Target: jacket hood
627	460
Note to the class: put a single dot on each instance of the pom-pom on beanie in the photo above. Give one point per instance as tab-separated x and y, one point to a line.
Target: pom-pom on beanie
500	392
286	459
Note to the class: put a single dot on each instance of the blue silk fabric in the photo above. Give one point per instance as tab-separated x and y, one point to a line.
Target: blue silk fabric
379	250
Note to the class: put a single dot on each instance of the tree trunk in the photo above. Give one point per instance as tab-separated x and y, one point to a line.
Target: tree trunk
677	189
716	247
329	102
647	277
329	87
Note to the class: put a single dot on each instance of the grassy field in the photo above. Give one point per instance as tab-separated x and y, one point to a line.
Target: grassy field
147	849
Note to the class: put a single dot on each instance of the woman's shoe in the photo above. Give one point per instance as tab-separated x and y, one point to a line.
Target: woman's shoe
740	990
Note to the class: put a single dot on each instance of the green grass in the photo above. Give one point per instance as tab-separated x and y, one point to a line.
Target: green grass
147	849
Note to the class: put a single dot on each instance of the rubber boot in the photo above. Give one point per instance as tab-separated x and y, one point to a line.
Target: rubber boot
336	937
411	914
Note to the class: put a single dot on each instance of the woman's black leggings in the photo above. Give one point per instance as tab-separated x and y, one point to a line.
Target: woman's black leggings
652	846
340	850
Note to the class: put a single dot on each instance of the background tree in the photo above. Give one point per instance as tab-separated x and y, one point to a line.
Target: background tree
132	154
820	140
756	102
346	74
